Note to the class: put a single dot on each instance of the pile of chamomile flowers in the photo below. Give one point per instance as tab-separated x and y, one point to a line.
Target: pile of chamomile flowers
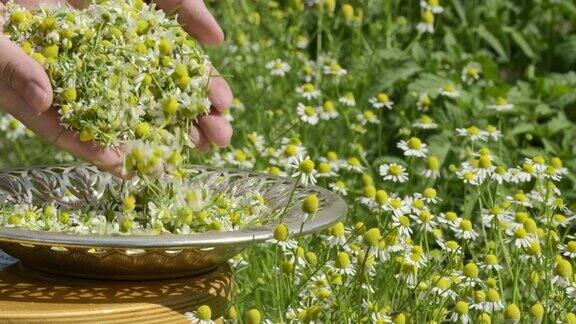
126	73
122	72
178	207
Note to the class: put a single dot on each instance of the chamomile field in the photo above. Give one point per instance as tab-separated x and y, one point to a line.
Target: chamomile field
447	126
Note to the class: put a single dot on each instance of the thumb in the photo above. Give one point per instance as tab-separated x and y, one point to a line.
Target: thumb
24	75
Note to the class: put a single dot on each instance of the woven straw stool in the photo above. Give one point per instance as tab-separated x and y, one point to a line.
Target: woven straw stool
29	296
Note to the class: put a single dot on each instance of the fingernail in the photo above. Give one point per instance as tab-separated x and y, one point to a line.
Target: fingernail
35	96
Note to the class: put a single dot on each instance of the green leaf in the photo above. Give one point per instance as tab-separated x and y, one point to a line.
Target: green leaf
522	43
487	36
460	11
521	129
427	83
558	123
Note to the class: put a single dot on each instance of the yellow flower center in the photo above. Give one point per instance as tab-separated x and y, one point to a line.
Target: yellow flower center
354	162
466	225
308	87
395	169
291	150
492	295
404	220
428	18
501	101
473	130
204	312
520	233
310	111
415	143
383	98
329	106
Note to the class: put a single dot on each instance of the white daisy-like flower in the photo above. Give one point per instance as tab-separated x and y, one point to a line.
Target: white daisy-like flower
425	122
442	288
12	127
501	104
424	102
338	187
304	168
367	117
328	111
413	147
473	132
403	225
393	172
465	230
520	237
334	69
449	90
568	249
471	73
200	316
493	133
381	100
432	5
427	23
308	114
348	99
490	263
278	67
353	164
308	91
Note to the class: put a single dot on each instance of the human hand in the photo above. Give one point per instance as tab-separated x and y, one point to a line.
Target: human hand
26	93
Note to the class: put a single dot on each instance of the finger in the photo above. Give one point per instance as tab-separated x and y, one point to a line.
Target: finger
34	4
48	127
220	93
26	76
195	18
216	128
199	139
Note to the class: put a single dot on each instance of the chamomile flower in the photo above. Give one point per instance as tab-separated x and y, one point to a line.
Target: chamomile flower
460	313
339	187
381	100
308	114
328	111
432	168
337	235
413	147
353	164
282	238
568	249
202	315
432	5
473	133
449	90
393	172
367	117
465	230
493	301
12	127
343	265
441	287
425	122
427	23
334	69
424	102
348	99
308	91
471	73
493	133
304	168
501	104
278	67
